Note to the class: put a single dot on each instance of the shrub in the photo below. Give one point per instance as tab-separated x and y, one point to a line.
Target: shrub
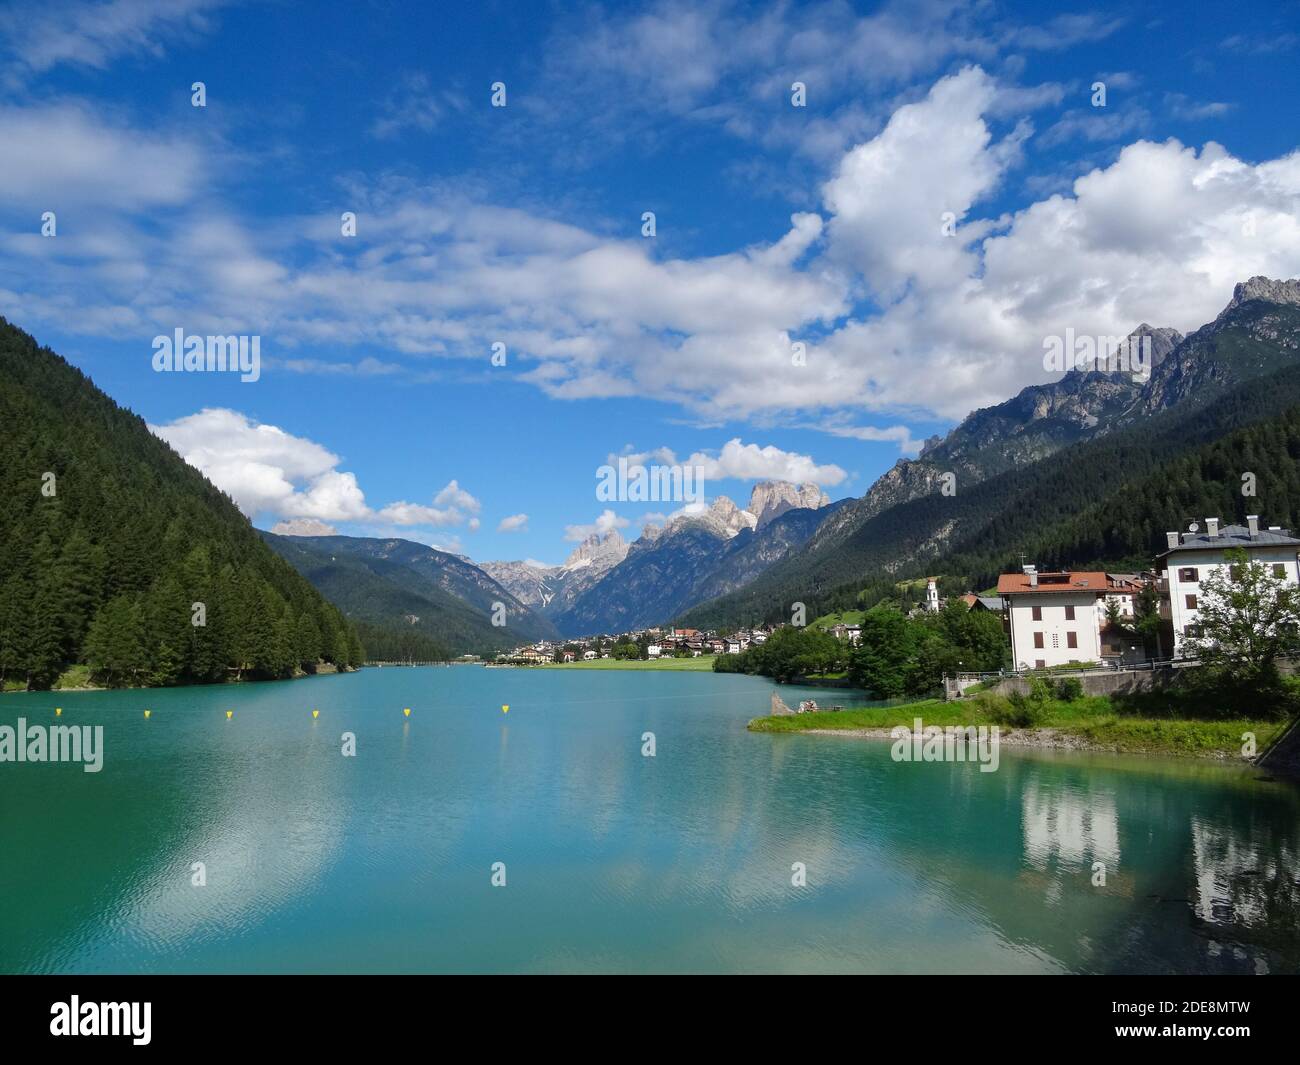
1068	689
1015	711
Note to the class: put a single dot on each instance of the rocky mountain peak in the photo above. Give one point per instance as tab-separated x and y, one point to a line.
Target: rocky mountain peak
603	550
771	499
731	518
1266	289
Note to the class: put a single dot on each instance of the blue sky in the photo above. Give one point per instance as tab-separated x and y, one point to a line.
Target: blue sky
378	410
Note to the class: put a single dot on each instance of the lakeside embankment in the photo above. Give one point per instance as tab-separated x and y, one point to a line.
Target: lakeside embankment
1089	723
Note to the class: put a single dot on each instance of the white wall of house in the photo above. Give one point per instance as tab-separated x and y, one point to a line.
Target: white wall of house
1187	570
1055	627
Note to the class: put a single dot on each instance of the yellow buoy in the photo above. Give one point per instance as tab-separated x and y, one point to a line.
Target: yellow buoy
58	711
505	709
229	714
147	713
315	713
406	711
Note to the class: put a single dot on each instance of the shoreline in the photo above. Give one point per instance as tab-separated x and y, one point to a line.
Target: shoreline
332	671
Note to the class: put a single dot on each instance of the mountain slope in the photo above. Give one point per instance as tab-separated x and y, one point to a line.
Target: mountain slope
551	590
1228	374
693	558
109	539
1038	421
399	584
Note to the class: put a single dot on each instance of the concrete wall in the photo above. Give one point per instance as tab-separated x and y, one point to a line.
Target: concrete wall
1112	682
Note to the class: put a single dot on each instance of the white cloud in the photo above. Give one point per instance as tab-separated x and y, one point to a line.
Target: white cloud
513	523
605	522
403	513
897	434
455	496
451	506
84	33
742	462
268	471
895	316
749	462
65	155
303	527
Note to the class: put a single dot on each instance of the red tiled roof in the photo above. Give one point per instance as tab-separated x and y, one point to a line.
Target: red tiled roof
1013	583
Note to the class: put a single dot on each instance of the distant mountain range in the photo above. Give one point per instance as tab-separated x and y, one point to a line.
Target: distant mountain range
608	585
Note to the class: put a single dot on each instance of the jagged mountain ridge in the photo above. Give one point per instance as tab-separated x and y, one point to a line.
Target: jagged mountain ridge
693	557
703	549
551	589
1038	421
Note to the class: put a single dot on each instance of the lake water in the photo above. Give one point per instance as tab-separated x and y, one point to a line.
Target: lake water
614	861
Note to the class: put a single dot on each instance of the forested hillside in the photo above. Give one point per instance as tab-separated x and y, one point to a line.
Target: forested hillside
411	600
117	555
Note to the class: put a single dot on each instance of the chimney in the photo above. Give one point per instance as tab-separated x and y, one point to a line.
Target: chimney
1211	526
1171	539
1032	573
1252	522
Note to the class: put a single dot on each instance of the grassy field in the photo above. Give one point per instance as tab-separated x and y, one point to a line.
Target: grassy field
703	664
1095	719
847	617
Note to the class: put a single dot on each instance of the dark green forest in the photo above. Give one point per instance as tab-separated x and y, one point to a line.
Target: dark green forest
117	556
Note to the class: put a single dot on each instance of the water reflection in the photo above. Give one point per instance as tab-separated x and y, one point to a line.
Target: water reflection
618	861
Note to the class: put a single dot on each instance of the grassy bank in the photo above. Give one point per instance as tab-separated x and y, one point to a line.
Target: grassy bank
1090	721
703	664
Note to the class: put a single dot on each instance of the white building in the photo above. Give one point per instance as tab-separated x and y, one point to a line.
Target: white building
1055	617
932	594
653	650
1194	555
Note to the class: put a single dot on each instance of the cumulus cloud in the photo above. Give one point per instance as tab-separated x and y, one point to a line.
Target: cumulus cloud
604	523
742	462
268	471
513	523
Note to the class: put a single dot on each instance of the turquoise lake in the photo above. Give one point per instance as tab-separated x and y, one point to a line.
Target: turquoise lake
614	862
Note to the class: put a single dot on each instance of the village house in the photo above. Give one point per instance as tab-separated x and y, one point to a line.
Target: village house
1054	617
1192	556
